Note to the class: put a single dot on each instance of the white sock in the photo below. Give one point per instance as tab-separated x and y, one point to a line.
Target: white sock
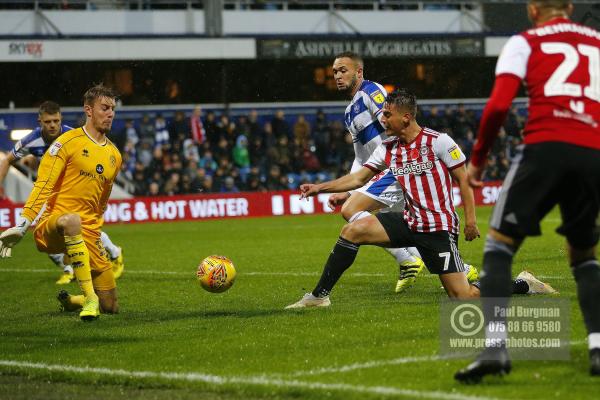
594	341
68	269
414	252
401	255
57	259
113	251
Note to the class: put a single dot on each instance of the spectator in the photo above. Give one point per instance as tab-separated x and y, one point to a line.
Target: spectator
253	124
241	156
198	180
179	129
144	153
321	136
310	162
207	184
302	131
147	130
197	127
210	126
280	126
229	186
190	151
153	189
274	179
208	162
172	185
161	138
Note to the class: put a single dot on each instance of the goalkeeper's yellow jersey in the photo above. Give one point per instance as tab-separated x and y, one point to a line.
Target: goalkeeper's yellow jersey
75	175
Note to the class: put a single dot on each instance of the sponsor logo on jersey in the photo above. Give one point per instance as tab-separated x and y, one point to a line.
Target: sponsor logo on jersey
113	161
85	153
88	174
378	97
99	168
414	168
54	148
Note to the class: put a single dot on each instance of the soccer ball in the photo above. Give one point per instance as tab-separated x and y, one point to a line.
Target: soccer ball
216	274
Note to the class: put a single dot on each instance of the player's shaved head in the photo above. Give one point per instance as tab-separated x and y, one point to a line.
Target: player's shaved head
404	100
97	92
49	107
551	4
358	61
541	11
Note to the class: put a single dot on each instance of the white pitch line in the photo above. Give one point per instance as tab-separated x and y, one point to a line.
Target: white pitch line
151	272
370	364
394	361
246	380
251	273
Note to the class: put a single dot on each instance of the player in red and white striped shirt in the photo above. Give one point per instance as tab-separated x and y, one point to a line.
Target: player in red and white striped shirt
424	162
423	167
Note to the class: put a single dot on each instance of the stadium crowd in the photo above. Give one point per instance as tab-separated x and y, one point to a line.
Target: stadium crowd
209	153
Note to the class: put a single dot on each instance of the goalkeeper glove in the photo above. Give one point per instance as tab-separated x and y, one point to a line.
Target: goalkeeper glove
12	236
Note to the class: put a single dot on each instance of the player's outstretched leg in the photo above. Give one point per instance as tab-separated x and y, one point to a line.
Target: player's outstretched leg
341	258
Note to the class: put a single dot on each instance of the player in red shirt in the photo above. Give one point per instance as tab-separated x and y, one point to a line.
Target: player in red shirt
559	63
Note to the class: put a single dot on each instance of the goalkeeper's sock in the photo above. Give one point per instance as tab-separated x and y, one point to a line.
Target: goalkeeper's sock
80	261
341	258
77	300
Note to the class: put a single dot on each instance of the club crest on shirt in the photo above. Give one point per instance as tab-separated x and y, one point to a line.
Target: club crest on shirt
53	150
99	168
378	97
413	154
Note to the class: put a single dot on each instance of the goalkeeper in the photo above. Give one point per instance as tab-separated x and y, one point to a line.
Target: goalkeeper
75	179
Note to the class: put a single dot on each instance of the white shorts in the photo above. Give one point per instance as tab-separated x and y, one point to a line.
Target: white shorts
385	189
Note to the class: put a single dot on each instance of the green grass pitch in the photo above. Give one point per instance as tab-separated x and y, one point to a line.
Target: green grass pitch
173	340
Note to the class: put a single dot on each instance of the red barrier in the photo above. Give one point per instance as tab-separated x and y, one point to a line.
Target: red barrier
223	205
